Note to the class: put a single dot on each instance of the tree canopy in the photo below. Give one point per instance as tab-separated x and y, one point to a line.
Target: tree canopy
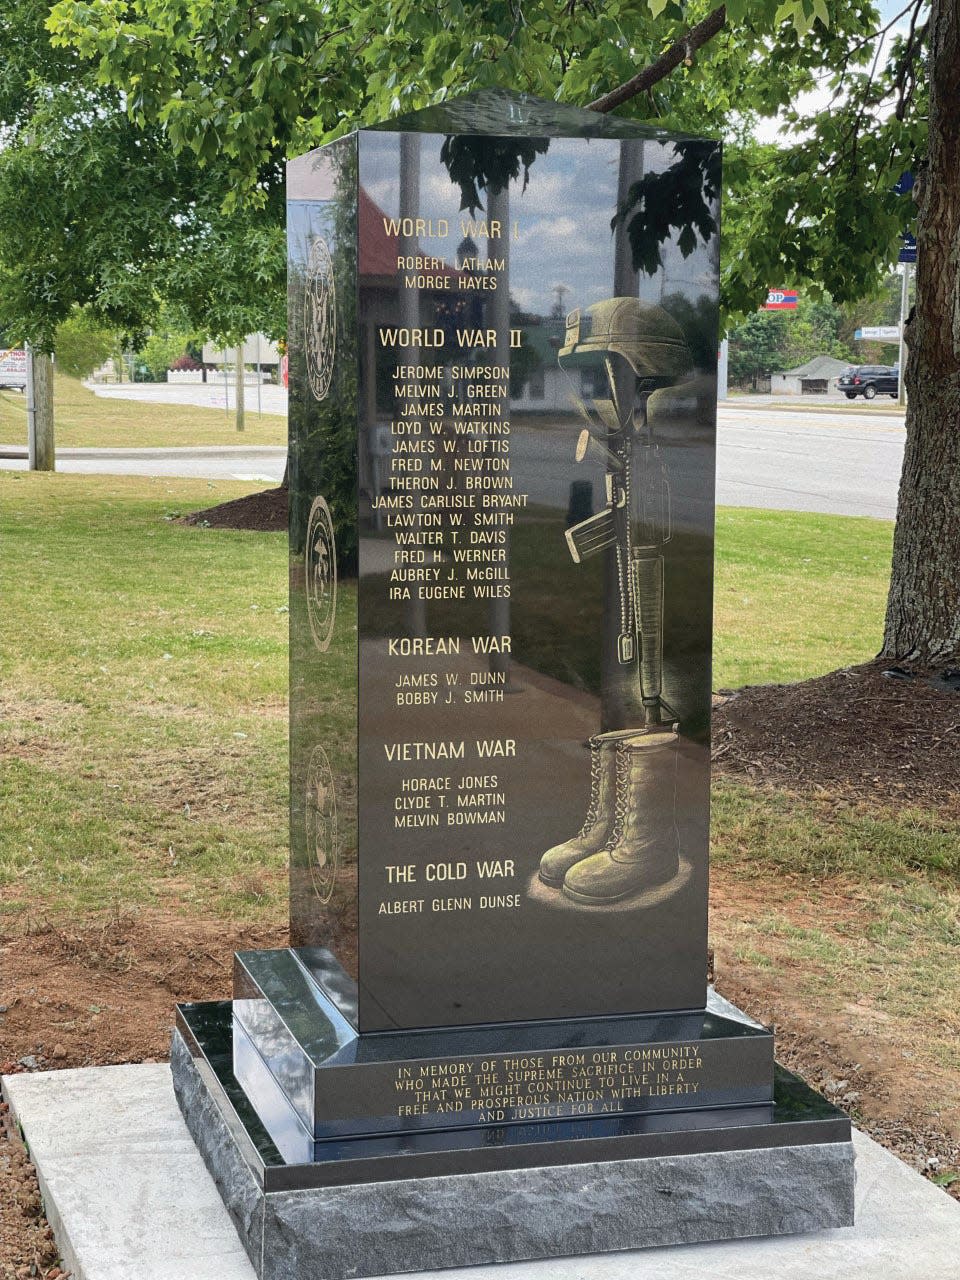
247	94
98	210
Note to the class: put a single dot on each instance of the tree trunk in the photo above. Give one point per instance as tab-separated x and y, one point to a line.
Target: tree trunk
42	454
239	386
923	608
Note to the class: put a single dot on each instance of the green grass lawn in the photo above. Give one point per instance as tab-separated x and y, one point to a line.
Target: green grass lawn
796	594
144	669
144	698
143	740
83	420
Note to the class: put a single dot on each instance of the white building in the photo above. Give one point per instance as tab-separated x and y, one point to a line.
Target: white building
815	378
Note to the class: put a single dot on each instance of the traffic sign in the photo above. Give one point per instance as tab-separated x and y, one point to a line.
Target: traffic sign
882	332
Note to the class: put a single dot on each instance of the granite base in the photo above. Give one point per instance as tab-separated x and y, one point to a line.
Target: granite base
295	1231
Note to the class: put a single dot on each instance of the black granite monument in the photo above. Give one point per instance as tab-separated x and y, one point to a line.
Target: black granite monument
502	340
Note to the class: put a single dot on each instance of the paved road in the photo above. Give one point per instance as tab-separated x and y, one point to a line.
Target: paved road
207	395
844	463
262	463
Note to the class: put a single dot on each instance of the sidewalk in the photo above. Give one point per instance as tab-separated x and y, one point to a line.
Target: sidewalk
127	1194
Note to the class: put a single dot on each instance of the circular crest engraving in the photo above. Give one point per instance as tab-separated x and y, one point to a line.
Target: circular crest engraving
323	837
321	574
320	318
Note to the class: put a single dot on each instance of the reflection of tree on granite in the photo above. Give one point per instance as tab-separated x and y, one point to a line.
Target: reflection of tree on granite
681	198
325	460
478	163
698	323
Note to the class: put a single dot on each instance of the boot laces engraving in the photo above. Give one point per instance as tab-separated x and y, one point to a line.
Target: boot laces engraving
596	774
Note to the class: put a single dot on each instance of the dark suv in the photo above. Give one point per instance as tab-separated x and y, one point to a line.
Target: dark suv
869	380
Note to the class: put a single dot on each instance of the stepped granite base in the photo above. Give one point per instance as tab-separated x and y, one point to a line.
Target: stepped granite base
406	1210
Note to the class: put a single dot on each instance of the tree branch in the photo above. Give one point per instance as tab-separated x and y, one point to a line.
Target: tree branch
682	51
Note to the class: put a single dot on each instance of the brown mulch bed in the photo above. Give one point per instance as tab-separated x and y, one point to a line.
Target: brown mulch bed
264	512
856	731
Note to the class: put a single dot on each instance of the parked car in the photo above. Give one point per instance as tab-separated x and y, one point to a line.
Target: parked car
870	380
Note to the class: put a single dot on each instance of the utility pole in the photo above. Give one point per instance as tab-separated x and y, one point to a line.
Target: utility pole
238	376
40	444
723	369
259	380
904	311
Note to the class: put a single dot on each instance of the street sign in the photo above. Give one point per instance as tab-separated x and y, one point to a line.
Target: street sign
781	300
13	368
882	333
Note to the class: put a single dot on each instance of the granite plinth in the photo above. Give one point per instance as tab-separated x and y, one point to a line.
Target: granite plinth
414	1204
288	1025
418	468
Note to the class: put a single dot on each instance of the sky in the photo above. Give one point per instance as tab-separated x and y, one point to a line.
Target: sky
770	130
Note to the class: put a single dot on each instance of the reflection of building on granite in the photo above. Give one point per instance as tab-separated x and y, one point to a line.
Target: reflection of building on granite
439	304
537	385
543	387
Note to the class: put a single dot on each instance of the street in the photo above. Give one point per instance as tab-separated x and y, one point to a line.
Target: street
841	463
262	463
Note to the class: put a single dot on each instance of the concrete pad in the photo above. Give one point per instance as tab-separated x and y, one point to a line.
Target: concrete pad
128	1194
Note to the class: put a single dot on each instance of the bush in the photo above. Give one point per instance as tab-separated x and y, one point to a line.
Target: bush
82	344
160	351
185	364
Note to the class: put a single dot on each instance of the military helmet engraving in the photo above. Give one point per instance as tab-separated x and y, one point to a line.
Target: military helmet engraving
645	335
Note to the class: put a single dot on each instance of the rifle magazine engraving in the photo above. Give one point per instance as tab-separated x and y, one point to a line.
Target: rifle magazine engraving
591	536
